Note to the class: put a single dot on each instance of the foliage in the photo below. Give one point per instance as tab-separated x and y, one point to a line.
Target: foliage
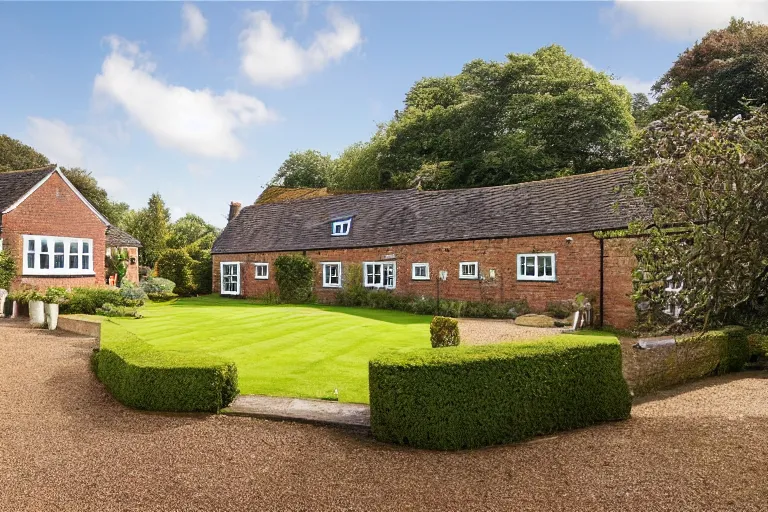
308	168
732	347
15	155
668	102
145	272
110	310
133	292
117	264
24	294
157	285
202	273
192	230
162	296
295	277
84	181
758	345
87	300
723	69
140	376
444	332
561	308
706	184
176	265
7	270
468	397
150	226
358	168
55	295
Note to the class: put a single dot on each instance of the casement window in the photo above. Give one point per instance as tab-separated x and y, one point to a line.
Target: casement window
420	271
672	290
340	227
468	270
332	275
230	278
52	255
262	270
379	275
536	267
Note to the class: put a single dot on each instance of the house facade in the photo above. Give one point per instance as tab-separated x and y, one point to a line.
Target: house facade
533	241
55	235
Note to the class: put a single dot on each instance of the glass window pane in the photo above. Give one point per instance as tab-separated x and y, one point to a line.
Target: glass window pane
86	262
44	261
73	247
86	248
43	245
31	245
58	247
73	260
31	260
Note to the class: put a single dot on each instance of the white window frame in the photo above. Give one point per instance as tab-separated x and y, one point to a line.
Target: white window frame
329	264
425	277
536	277
673	288
476	275
344	227
256	267
221	277
51	242
383	264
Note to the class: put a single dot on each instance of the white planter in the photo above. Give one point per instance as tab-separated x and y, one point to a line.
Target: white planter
36	313
52	316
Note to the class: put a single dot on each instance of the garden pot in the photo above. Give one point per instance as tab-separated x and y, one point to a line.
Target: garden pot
36	313
52	316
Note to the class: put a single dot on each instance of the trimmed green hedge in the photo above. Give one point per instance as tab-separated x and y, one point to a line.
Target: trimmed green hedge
732	344
468	397
140	376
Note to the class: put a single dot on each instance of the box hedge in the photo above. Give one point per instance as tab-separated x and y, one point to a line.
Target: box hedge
140	376
468	397
731	344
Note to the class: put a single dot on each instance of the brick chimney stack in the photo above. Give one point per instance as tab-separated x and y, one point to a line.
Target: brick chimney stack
234	210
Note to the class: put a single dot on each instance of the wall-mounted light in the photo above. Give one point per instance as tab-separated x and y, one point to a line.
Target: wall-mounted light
443	275
569	240
492	273
133	261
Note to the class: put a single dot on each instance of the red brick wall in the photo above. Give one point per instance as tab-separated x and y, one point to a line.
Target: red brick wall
54	209
619	262
577	268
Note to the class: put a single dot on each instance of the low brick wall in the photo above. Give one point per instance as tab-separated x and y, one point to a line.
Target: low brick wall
77	326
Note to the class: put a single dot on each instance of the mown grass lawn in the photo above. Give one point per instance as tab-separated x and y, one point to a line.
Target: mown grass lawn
296	351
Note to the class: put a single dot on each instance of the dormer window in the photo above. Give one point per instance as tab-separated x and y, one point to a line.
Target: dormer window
340	227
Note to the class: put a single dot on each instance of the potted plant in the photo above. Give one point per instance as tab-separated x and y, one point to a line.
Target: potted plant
53	297
36	308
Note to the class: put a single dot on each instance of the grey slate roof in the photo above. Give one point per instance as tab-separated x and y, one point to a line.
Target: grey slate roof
14	184
573	204
116	237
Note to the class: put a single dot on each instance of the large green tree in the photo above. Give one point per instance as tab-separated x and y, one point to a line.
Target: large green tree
150	226
668	102
308	168
15	155
190	230
725	68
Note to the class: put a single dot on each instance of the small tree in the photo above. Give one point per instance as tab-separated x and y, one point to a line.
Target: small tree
176	265
295	277
7	270
706	183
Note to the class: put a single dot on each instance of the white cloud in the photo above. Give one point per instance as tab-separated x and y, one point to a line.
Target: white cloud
111	184
56	140
683	20
195	121
195	25
270	58
633	85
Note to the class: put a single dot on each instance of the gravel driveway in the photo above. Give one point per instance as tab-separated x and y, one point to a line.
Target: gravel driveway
482	331
65	444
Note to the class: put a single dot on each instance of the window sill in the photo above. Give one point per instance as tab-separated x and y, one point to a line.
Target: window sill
420	279
537	280
230	293
262	278
90	274
332	286
469	278
373	287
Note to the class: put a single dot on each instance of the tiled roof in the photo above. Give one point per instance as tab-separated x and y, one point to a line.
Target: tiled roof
116	237
574	204
14	184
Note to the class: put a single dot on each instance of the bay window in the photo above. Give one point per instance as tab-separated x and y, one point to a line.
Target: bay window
379	275
53	255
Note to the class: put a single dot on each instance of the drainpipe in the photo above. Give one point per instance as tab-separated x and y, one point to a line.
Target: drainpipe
602	279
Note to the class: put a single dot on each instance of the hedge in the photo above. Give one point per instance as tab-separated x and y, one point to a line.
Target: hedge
468	397
732	344
140	376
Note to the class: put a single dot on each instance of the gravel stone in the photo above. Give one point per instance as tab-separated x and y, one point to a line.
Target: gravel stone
482	331
66	444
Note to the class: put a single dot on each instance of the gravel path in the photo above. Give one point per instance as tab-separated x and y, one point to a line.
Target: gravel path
481	331
65	444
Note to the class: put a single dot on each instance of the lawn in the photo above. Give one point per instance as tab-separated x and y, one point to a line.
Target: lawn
298	351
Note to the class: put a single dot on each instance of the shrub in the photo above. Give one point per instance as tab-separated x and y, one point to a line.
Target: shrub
467	397
295	276
145	378
730	353
7	270
560	309
145	272
157	285
87	300
176	265
444	332
162	296
133	292
24	294
110	310
55	295
758	345
202	273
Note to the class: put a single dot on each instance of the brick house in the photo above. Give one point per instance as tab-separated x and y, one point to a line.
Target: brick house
55	235
534	241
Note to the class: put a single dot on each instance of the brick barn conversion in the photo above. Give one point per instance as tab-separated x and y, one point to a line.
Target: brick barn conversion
55	235
534	241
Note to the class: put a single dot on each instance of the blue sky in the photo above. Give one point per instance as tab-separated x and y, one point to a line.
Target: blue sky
202	102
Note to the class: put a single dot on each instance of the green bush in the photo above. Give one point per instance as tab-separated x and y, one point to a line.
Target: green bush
468	397
758	345
295	277
145	378
111	310
7	270
731	351
133	292
157	285
444	332
162	296
55	295
177	266
560	309
24	294
87	300
202	273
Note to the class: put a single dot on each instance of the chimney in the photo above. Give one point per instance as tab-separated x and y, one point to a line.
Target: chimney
234	210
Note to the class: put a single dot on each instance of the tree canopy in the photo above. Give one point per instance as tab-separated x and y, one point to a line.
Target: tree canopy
308	168
150	226
15	155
